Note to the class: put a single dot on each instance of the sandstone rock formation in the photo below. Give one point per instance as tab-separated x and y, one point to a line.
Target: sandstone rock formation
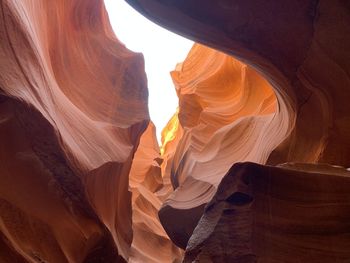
300	48
150	243
226	115
293	213
73	107
84	180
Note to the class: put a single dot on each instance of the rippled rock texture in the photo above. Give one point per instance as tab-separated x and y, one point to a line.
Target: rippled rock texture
299	48
73	106
225	116
292	213
82	178
150	243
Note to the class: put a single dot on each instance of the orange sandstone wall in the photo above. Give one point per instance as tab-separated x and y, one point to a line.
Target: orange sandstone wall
150	243
83	178
299	47
73	107
226	115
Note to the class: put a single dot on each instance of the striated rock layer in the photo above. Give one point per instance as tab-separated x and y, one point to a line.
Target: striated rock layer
150	243
81	176
73	105
293	213
299	47
225	116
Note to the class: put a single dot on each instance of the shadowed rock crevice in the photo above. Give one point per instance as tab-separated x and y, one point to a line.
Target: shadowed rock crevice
284	219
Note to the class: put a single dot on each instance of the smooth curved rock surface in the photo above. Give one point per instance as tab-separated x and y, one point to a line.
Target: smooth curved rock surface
292	213
225	116
81	175
73	106
151	243
299	48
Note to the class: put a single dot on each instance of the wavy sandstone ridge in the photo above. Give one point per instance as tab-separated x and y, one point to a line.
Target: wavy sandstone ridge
73	107
84	180
302	51
226	115
150	243
297	46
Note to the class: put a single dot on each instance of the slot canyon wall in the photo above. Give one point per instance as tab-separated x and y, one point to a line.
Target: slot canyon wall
73	110
252	166
301	49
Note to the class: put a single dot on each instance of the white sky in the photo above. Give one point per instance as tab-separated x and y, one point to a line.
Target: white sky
162	50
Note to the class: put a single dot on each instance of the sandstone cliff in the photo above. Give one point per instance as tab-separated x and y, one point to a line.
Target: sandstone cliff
73	107
265	91
300	49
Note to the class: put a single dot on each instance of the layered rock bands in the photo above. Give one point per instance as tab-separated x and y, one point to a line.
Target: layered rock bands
295	110
252	166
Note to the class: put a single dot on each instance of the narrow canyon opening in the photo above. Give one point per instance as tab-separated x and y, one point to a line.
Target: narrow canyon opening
252	165
162	50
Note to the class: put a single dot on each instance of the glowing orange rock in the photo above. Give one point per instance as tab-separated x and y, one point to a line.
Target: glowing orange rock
74	125
223	105
300	49
297	46
73	106
150	243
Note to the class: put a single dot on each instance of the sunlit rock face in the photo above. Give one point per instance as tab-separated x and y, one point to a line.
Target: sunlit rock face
297	46
150	242
226	115
302	51
84	180
73	107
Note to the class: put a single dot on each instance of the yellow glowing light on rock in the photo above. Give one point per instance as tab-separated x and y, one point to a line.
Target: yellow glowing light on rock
169	131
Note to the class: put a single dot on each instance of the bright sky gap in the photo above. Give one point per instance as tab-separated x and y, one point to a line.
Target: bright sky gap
162	50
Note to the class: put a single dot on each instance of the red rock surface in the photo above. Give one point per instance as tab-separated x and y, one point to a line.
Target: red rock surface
150	243
293	213
73	106
225	116
84	180
299	48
